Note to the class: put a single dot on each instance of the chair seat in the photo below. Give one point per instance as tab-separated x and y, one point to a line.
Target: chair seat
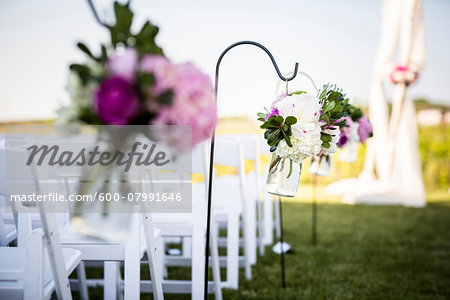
10	232
13	258
93	249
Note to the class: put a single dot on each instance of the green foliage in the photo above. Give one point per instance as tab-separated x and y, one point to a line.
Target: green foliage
335	106
434	149
277	129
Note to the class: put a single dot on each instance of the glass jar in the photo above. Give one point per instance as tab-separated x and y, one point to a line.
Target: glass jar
349	152
283	177
320	165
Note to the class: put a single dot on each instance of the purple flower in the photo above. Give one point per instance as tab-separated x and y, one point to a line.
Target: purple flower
274	112
116	101
365	129
346	131
343	139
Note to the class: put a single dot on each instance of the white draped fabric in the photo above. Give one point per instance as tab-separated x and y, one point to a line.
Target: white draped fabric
392	172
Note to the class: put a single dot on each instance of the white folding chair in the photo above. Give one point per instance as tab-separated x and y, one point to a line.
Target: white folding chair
8	232
62	261
141	237
26	273
191	227
250	148
271	205
231	206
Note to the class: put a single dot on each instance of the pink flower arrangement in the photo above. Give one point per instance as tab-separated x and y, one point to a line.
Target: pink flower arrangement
130	82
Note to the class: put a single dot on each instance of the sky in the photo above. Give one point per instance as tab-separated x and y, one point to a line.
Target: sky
333	41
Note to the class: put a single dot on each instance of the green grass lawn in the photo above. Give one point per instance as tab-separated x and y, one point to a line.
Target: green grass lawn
363	252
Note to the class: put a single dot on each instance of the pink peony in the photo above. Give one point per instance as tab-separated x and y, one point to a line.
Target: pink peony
193	100
365	129
124	65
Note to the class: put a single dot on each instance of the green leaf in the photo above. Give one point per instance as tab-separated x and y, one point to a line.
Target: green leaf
279	119
298	93
121	30
104	56
86	50
165	98
272	118
145	40
326	145
146	80
273	137
261	115
325	137
329	107
287	139
267	125
290	120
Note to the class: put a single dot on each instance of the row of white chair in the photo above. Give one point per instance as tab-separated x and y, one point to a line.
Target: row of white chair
239	203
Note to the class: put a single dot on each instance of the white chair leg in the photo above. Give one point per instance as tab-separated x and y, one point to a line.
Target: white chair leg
186	247
24	228
55	252
198	253
252	234
154	257
111	278
268	219
261	229
215	264
132	261
233	248
81	273
276	204
247	240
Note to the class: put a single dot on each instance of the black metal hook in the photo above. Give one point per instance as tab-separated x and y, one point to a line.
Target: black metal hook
97	18
257	45
211	158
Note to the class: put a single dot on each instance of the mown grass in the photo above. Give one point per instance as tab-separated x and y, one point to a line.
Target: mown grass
363	252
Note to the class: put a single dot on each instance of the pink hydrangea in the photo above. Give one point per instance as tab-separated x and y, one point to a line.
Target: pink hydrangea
193	101
365	129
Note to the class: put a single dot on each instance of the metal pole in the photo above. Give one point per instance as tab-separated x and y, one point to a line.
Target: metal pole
211	157
314	211
283	274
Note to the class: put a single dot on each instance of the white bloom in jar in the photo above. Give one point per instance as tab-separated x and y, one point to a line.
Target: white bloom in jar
305	137
305	108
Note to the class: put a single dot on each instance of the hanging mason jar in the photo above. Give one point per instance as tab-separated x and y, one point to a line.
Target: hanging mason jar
349	152
320	165
283	177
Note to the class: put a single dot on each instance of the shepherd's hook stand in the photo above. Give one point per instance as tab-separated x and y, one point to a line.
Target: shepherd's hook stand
314	212
211	159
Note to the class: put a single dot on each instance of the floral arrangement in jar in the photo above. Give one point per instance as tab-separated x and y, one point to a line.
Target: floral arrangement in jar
299	126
